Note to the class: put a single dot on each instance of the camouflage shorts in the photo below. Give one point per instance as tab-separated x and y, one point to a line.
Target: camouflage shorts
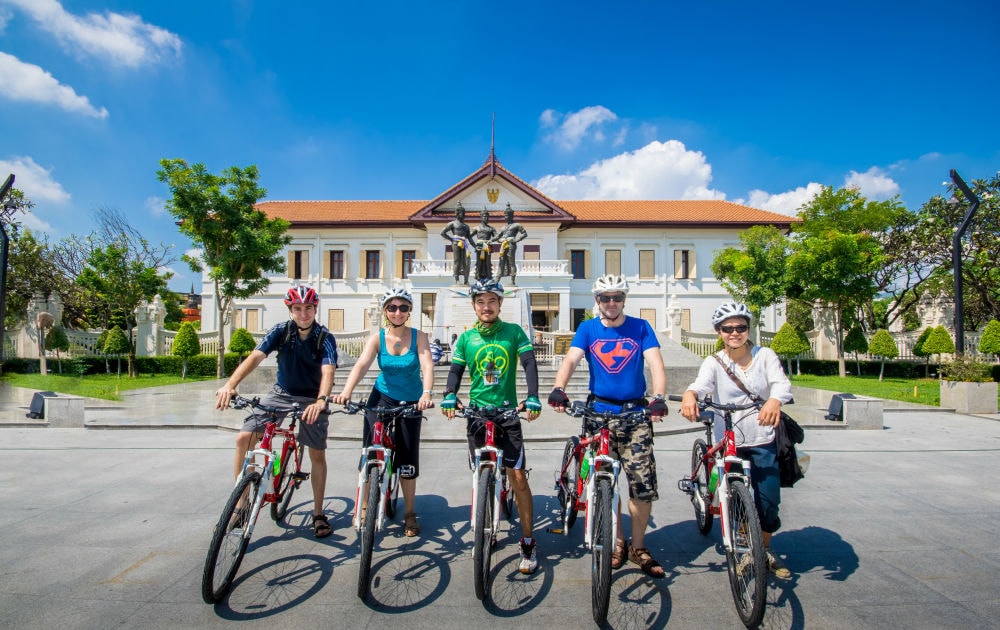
635	452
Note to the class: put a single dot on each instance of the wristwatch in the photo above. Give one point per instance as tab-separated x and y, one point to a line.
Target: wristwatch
323	398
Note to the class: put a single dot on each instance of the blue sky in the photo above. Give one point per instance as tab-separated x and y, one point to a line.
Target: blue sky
754	102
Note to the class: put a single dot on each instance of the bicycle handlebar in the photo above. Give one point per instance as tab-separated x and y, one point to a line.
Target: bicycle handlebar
495	414
706	403
241	402
579	409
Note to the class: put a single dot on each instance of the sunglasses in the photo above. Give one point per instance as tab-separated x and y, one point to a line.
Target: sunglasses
742	328
604	299
402	308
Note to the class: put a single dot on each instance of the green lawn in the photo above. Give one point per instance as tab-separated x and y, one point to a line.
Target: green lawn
928	390
106	386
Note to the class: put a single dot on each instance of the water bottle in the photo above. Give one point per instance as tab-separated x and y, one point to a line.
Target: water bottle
713	479
585	467
276	464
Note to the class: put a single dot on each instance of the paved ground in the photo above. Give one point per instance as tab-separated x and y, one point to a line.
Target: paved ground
108	529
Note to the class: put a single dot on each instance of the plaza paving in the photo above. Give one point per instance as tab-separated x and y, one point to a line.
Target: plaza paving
108	529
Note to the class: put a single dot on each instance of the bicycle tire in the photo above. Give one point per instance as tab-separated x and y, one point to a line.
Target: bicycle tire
368	533
702	516
483	536
602	546
745	560
392	495
569	473
228	545
284	482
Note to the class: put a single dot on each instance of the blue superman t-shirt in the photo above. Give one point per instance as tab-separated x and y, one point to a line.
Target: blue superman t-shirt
614	356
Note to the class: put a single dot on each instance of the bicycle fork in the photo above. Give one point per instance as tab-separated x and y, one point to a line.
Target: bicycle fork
266	479
599	469
723	491
372	456
487	458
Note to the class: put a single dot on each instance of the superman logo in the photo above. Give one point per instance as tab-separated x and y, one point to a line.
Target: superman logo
614	354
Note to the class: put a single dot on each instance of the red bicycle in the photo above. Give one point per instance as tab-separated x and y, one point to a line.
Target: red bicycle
587	481
490	499
719	484
271	474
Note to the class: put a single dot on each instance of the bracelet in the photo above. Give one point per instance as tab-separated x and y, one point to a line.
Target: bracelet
428	392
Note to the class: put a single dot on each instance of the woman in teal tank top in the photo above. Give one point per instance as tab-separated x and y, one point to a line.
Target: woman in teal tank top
406	376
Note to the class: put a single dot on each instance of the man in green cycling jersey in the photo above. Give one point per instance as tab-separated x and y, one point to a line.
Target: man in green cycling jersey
489	348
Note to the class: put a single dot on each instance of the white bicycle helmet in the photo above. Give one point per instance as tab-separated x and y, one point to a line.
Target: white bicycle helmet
610	284
730	309
486	285
400	293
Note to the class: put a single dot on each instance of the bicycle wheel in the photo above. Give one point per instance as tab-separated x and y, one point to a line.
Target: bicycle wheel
702	515
602	546
368	533
230	540
286	481
392	494
745	561
483	539
568	475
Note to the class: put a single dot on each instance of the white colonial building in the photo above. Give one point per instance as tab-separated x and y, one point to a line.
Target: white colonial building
352	251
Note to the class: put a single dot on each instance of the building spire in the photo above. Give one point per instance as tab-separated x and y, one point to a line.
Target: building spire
493	156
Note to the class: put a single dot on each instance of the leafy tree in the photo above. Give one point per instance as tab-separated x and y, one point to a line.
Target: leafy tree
836	253
789	343
242	342
118	344
57	340
884	346
754	273
939	342
185	345
918	348
31	272
238	243
116	283
989	343
855	342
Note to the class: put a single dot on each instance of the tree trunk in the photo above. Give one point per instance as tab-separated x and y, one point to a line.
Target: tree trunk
881	370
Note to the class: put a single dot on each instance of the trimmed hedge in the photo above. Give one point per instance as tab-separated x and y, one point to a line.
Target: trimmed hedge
198	365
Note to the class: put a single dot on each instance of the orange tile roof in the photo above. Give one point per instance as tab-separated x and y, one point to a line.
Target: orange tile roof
604	212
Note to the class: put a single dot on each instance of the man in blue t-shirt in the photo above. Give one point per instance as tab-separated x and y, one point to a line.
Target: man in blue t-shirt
617	347
307	358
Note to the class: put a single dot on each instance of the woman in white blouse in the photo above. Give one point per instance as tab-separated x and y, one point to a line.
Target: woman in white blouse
760	372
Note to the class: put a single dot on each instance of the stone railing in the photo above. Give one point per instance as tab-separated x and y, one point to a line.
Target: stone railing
525	268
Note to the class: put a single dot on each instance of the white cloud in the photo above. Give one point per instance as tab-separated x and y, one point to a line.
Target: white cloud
34	181
659	170
787	203
122	39
156	206
873	183
31	221
576	126
28	82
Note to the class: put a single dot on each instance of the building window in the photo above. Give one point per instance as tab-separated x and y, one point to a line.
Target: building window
647	267
298	263
532	252
613	262
648	314
409	257
577	263
335	264
577	316
335	319
252	323
373	264
684	264
427	304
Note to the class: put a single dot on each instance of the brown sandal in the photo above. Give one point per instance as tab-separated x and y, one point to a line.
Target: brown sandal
619	555
411	527
321	526
646	562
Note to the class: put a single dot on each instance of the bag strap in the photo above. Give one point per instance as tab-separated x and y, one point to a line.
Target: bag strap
754	397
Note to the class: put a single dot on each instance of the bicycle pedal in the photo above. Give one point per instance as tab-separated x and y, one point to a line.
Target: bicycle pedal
686	486
300	476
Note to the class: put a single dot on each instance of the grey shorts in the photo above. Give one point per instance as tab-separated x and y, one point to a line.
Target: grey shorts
312	435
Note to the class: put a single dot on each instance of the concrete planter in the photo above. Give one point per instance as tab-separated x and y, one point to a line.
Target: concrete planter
969	397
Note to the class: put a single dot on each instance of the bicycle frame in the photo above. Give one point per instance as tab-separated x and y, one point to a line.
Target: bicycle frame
602	465
488	457
379	455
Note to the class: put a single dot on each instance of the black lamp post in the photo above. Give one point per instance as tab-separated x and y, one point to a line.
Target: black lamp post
956	259
4	251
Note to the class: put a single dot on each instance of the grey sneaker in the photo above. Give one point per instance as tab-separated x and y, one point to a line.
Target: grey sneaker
529	559
776	566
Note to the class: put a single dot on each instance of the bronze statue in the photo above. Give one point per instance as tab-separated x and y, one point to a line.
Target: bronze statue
511	234
457	233
483	236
